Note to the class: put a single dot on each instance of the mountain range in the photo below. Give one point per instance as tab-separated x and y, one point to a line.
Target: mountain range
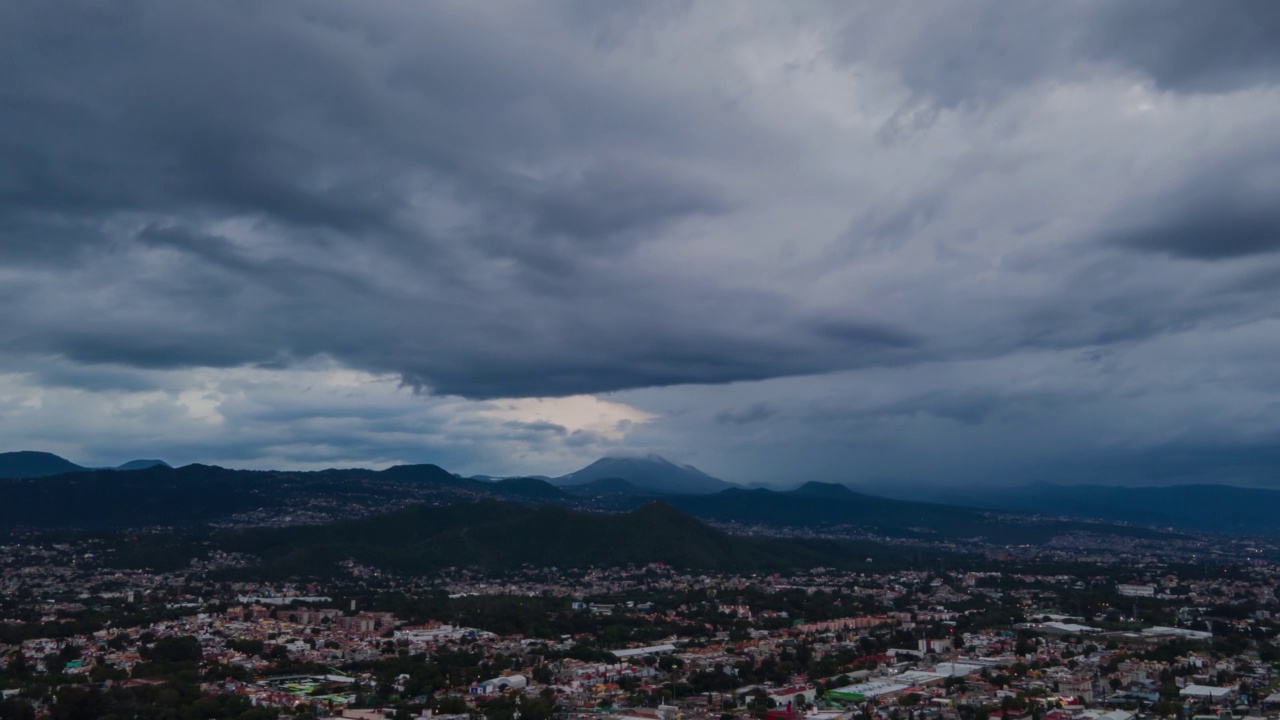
45	491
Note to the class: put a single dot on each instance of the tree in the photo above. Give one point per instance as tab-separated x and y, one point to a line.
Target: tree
16	709
174	650
452	705
1023	646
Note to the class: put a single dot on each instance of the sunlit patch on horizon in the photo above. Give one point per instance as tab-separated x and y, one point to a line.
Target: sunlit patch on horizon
585	413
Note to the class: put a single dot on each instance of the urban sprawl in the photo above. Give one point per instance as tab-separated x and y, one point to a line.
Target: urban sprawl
1146	637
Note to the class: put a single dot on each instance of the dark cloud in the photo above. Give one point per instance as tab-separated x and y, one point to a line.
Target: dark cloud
429	203
1230	230
1189	46
1222	212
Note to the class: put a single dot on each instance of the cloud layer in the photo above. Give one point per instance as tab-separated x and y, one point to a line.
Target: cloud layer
764	208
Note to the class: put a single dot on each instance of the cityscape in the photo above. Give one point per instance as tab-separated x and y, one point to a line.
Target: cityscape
640	360
184	621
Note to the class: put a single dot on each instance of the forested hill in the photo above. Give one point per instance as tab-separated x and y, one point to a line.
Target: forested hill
497	535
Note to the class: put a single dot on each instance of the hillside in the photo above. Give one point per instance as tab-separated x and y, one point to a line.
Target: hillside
650	472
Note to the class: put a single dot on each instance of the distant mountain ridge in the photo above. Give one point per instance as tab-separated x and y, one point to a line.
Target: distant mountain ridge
817	505
43	490
36	464
1209	508
649	472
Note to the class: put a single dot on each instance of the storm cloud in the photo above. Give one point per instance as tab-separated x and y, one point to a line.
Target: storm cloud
641	203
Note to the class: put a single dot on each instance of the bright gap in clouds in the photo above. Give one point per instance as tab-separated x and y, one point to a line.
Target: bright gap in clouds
575	414
317	416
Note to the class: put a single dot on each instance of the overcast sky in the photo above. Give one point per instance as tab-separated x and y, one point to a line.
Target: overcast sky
866	242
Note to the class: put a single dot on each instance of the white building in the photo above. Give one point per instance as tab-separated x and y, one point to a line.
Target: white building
501	684
1207	692
957	669
642	651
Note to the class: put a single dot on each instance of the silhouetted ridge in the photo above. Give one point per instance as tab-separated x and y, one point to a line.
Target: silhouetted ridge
196	495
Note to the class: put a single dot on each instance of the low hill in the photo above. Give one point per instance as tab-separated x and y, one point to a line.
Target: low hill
32	464
426	473
528	488
650	472
142	465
